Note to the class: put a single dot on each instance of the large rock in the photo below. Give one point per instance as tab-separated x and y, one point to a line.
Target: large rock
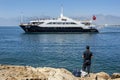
30	73
115	75
102	75
97	76
8	72
57	74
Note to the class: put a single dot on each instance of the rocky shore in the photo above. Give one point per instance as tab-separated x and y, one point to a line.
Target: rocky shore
11	72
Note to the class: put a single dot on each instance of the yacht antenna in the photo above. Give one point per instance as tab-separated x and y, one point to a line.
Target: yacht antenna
61	15
21	17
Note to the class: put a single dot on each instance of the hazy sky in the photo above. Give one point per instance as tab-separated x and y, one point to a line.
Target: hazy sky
14	8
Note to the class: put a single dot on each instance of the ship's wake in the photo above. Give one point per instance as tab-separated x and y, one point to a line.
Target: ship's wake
108	29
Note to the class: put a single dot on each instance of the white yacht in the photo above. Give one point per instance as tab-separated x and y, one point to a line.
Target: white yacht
60	24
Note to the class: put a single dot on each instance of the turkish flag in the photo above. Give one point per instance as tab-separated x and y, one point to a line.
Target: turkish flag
94	17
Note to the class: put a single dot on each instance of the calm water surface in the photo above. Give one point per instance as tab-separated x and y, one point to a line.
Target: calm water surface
60	50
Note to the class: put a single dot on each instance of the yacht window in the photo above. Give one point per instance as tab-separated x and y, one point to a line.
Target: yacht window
34	22
86	23
37	22
64	19
58	22
66	23
63	23
54	22
73	23
83	23
49	23
41	22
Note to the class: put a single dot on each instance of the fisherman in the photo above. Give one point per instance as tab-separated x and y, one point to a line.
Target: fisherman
87	55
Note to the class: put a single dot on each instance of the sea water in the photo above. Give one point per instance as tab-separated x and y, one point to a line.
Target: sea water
60	50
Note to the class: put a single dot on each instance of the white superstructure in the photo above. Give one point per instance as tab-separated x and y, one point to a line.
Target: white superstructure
62	21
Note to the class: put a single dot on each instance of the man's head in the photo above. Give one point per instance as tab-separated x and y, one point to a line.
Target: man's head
87	47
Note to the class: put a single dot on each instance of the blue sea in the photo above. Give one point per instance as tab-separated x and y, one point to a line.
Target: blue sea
60	50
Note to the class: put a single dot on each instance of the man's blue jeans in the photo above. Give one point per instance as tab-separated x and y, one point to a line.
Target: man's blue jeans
86	68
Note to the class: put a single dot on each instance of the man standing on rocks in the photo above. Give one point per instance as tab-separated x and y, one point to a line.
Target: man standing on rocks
87	55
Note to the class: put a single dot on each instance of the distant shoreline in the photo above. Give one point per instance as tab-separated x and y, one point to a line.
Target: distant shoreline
9	26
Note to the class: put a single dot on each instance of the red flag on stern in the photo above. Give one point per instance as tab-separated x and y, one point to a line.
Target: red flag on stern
94	17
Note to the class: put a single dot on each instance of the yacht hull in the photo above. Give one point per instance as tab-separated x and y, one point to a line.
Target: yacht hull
33	28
